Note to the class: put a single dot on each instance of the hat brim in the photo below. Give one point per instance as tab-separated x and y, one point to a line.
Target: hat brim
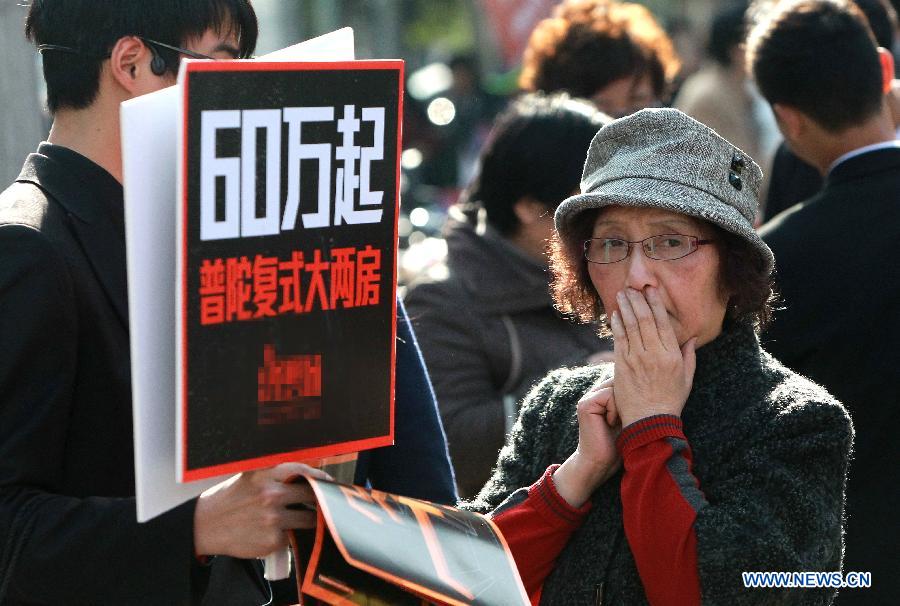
643	192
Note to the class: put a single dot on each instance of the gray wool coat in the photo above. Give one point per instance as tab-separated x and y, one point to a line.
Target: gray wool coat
770	451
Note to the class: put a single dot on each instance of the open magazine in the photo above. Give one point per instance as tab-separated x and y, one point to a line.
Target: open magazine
374	548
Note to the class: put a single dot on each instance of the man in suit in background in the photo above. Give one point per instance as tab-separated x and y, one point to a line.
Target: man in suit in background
792	180
836	254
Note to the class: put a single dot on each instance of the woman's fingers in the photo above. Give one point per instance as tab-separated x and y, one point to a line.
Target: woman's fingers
600	400
653	374
620	338
689	355
612	413
663	324
593	407
601	385
646	319
596	398
630	322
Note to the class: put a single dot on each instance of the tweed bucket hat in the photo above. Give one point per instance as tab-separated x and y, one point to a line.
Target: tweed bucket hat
661	158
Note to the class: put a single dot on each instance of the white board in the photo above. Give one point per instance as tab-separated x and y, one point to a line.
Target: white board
150	130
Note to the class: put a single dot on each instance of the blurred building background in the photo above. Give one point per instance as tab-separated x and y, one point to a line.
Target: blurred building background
421	31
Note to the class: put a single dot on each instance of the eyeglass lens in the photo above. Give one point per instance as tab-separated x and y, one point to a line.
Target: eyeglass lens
664	247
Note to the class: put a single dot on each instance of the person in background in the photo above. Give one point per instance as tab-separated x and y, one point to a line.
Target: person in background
793	180
695	455
836	252
613	53
721	96
476	109
451	162
485	319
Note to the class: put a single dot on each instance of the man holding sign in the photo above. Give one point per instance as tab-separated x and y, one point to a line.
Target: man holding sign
68	532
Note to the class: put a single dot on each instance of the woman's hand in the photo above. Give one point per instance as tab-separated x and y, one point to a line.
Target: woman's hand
653	374
246	516
596	458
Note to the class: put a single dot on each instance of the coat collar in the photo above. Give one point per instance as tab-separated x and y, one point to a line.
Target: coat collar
865	165
726	368
93	200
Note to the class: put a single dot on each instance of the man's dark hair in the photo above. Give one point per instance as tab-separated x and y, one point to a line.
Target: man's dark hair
537	148
92	28
820	57
882	19
727	31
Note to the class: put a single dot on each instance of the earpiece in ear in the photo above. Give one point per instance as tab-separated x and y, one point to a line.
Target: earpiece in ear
157	63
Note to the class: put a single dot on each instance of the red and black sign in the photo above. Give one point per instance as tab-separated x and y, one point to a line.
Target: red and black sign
287	262
372	547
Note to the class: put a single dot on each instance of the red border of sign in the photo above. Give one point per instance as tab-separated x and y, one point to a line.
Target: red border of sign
201	473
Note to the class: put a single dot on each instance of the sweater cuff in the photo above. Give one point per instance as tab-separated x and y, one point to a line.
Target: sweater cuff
649	430
552	507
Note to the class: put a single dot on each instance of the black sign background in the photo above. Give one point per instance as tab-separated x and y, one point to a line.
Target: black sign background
221	361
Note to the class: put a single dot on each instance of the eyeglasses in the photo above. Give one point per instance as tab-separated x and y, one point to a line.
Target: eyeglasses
177	49
664	247
149	42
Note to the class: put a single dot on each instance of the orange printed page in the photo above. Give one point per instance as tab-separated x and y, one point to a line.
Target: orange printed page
329	579
376	548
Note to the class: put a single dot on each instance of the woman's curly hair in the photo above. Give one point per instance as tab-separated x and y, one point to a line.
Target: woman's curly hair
588	44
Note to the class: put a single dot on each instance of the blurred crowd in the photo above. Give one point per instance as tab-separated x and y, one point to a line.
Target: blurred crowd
657	301
450	108
476	267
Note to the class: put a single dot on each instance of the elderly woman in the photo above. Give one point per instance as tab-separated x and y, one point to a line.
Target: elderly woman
695	456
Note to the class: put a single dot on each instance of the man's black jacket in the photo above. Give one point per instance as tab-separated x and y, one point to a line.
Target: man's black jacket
68	531
837	263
